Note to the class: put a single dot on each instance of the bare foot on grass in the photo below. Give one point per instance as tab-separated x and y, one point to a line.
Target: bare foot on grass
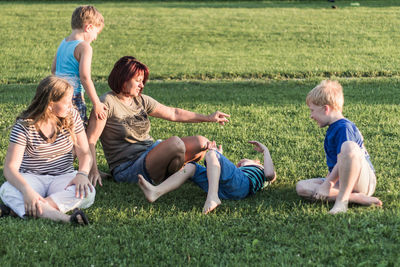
365	200
339	207
148	189
211	204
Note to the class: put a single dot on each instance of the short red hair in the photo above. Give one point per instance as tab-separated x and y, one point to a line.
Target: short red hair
125	69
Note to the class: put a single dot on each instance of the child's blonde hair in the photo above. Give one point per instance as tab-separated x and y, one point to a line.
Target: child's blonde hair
327	93
84	15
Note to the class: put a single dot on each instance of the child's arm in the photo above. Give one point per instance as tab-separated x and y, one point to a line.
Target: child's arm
94	130
85	61
269	170
53	65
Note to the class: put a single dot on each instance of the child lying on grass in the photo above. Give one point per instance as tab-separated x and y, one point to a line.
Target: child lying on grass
221	179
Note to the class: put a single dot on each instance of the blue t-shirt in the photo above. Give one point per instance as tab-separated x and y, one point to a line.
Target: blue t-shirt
67	66
339	132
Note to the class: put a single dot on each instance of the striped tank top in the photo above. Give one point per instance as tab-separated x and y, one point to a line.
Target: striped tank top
41	157
256	177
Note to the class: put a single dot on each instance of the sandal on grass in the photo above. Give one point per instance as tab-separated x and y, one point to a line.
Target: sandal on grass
4	210
79	217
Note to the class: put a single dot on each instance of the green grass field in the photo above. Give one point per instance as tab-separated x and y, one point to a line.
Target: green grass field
256	61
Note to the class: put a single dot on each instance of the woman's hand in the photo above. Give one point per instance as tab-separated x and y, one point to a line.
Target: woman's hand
94	177
32	203
82	184
258	146
219	117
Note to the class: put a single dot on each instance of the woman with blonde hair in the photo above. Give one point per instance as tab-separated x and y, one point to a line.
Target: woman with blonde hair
41	180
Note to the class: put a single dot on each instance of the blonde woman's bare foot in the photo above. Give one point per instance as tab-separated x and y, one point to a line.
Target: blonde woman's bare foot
211	204
339	207
148	189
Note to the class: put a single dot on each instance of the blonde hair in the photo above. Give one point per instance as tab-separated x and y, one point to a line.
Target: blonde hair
327	93
50	89
84	15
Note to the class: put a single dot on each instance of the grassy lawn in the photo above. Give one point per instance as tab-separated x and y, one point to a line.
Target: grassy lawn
200	56
178	40
272	227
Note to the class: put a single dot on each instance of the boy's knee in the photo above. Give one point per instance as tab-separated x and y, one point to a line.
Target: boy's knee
8	191
210	155
350	149
302	189
299	188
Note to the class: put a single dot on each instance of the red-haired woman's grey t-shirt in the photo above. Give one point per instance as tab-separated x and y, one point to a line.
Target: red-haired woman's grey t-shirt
126	133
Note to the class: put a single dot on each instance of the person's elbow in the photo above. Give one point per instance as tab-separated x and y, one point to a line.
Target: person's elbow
85	79
9	171
270	175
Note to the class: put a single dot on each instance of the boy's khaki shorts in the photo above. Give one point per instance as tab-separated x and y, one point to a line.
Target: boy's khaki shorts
367	180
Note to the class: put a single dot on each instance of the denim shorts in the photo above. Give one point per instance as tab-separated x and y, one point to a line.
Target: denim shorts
78	100
233	183
128	171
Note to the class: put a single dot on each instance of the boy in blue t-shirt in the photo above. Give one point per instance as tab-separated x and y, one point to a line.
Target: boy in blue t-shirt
74	58
351	176
221	179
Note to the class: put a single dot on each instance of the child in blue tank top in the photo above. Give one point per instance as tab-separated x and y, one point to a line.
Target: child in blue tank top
221	179
74	57
351	176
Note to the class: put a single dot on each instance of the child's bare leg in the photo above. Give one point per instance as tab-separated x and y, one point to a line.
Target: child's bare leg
358	198
306	189
213	173
349	163
152	193
364	200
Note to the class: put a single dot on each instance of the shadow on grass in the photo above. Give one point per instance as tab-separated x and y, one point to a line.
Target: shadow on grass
239	93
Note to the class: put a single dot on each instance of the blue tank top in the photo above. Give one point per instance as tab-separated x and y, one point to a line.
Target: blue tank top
67	66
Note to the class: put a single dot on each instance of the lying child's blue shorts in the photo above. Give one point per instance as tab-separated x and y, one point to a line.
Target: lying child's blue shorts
233	183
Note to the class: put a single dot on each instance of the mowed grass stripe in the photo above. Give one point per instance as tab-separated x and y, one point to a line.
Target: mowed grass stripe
212	40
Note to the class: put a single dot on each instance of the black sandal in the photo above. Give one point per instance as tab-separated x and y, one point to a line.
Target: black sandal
4	210
75	220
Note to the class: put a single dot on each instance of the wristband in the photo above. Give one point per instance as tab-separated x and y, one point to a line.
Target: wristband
84	174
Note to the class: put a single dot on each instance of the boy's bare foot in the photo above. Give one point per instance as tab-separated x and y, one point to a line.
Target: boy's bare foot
339	207
210	204
365	200
148	189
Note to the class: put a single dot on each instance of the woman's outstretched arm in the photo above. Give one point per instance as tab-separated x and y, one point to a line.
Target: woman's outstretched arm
180	115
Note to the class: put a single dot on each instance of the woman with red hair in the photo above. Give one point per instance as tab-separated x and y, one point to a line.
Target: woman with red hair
128	147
